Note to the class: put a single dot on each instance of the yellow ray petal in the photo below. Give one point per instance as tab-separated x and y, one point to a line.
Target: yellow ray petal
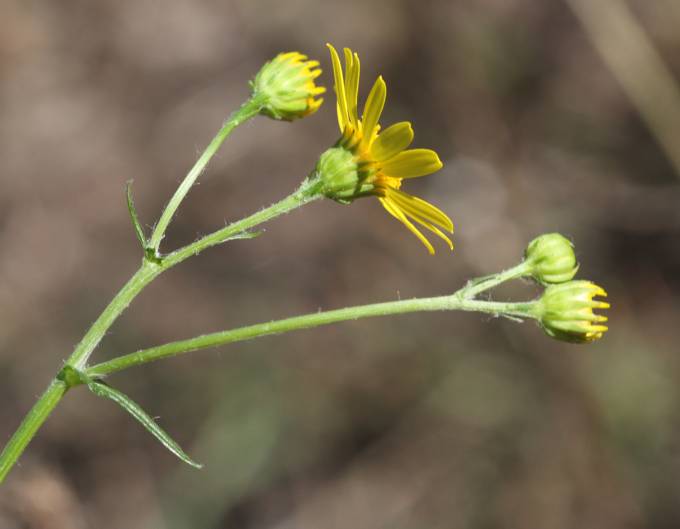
417	207
420	216
372	110
397	213
352	67
349	72
392	141
339	89
412	163
434	230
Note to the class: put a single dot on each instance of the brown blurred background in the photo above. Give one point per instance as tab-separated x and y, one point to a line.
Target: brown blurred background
549	116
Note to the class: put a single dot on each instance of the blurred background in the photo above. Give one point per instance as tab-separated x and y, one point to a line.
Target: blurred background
557	115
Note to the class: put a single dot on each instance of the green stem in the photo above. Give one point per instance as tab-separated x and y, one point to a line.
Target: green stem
247	111
30	425
307	321
482	284
307	192
149	270
146	273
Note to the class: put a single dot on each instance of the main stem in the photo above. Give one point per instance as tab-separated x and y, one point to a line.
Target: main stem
453	302
149	270
30	425
248	110
146	273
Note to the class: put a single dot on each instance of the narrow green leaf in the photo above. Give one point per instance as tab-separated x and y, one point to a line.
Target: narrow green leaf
244	235
133	215
239	236
103	390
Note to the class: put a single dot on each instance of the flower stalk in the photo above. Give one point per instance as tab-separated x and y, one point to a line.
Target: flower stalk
476	286
308	321
248	110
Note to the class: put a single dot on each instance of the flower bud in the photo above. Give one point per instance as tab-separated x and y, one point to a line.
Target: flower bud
551	259
341	176
565	311
286	85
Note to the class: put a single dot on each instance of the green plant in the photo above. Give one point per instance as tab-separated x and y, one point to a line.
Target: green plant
364	162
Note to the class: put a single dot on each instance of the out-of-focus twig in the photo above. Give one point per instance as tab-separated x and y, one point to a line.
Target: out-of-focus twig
637	65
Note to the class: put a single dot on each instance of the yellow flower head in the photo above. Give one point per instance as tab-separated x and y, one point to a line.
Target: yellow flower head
366	161
286	85
566	311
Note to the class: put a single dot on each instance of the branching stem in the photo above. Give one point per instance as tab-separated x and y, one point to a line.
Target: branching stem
154	263
247	111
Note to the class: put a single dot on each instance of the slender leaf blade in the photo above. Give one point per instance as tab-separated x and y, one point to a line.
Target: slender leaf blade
103	390
139	232
244	235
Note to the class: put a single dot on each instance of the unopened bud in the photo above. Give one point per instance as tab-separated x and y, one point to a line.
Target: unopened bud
286	84
565	311
551	259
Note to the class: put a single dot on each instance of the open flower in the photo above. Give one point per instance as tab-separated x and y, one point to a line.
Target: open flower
286	84
367	162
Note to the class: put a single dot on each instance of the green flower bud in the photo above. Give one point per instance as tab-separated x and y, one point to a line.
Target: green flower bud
286	85
565	311
551	259
341	176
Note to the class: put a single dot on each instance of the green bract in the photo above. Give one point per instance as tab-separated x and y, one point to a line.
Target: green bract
340	177
551	259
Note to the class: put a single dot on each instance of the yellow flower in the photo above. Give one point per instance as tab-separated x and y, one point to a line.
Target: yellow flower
286	85
366	161
566	311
